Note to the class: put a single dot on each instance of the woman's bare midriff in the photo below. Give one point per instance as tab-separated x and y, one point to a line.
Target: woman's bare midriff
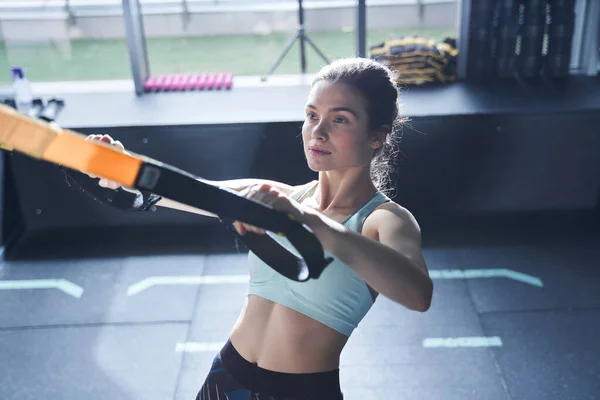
277	338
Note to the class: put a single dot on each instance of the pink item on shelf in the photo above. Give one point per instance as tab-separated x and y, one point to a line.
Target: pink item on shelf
210	83
167	82
192	82
174	85
201	84
160	80
219	79
182	84
186	82
151	84
228	80
189	82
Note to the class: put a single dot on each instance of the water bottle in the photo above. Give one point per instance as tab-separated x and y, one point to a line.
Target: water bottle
23	92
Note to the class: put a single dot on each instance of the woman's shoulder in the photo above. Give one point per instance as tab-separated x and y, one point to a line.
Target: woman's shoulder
396	227
391	216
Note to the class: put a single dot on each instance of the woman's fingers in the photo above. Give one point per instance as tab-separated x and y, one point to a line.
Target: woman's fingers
263	193
254	192
105	183
243	228
108	140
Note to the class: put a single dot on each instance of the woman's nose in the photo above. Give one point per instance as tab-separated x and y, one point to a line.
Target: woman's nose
319	131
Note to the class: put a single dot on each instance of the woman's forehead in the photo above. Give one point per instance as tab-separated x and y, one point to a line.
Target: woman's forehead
334	95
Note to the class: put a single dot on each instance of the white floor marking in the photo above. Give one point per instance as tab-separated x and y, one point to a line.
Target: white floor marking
149	282
63	285
451	342
198	347
485	273
475	341
74	290
185	280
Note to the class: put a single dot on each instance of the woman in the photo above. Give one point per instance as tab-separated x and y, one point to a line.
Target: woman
287	341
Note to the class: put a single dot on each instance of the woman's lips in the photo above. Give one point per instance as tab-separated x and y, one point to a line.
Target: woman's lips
317	152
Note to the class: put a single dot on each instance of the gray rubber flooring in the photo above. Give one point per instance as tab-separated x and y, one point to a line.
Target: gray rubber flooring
507	322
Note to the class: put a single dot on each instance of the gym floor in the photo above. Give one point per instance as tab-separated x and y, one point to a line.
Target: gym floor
515	315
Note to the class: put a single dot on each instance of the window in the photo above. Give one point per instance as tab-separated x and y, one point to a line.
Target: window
390	19
244	37
56	40
86	40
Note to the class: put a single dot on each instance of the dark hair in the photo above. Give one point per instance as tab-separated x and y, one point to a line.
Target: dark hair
377	83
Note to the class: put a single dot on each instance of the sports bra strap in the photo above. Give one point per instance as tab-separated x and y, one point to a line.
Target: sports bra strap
364	212
299	195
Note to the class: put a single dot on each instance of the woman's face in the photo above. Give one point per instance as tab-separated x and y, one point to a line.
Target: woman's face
336	128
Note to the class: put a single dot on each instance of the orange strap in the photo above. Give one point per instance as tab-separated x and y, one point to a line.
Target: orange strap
51	143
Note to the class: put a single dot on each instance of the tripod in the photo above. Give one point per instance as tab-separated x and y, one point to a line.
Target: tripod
300	35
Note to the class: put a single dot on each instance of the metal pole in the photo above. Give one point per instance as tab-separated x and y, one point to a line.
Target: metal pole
136	43
302	32
462	31
580	12
71	19
361	29
589	57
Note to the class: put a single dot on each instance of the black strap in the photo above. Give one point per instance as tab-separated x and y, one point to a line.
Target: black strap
230	206
120	198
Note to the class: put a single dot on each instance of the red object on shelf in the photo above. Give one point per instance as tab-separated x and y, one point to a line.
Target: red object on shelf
189	82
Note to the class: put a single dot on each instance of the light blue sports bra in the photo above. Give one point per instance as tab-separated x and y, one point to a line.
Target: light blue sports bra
339	298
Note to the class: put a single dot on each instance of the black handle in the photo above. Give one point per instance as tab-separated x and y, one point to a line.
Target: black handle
52	109
181	186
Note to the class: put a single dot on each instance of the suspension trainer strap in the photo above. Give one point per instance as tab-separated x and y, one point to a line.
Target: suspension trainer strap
46	141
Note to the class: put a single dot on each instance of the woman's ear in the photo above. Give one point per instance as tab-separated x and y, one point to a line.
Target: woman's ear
378	137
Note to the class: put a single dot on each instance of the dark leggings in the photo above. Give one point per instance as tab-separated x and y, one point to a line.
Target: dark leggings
232	377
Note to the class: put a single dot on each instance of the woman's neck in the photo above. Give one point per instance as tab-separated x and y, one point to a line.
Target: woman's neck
343	191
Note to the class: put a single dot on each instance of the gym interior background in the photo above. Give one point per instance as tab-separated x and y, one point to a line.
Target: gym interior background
509	146
489	143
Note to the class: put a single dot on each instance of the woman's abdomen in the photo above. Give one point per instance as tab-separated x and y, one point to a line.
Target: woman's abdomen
280	339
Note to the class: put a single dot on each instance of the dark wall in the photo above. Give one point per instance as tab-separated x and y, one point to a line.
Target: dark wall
451	165
501	163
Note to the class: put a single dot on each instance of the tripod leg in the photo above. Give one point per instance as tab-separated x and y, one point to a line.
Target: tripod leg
314	46
287	48
302	51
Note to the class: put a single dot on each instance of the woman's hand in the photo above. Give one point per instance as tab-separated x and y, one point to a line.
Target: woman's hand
119	146
270	196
